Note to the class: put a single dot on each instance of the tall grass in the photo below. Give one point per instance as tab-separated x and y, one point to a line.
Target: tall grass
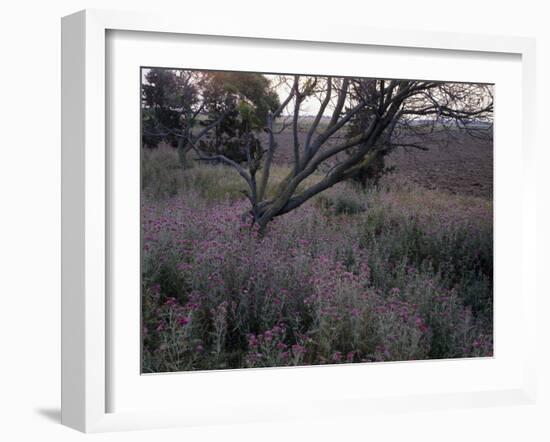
162	177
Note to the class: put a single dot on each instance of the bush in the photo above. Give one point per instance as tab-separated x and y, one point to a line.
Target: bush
342	200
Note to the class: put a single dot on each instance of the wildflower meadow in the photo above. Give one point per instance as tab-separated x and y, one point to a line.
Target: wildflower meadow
393	273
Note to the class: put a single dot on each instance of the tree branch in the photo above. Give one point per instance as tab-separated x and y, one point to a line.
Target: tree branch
319	115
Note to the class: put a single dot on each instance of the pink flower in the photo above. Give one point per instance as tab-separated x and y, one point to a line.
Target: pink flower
298	349
171	301
420	324
252	340
183	320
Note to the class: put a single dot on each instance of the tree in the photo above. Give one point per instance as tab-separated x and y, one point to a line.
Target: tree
389	111
173	108
157	96
215	111
254	99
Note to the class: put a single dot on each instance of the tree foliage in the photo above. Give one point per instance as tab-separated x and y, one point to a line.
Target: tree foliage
212	110
158	109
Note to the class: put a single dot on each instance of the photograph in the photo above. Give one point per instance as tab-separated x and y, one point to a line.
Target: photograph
296	219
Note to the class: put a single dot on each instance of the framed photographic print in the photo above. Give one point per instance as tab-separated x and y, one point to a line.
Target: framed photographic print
250	214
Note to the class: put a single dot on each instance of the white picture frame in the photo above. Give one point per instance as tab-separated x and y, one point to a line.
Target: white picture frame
85	307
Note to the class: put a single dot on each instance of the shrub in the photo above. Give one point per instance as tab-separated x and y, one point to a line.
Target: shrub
342	200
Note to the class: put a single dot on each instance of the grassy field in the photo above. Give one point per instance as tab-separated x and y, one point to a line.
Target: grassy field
400	272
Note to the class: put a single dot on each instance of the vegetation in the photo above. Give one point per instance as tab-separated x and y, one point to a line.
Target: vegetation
409	278
257	256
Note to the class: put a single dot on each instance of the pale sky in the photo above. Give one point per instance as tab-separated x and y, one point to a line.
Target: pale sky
309	107
284	82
